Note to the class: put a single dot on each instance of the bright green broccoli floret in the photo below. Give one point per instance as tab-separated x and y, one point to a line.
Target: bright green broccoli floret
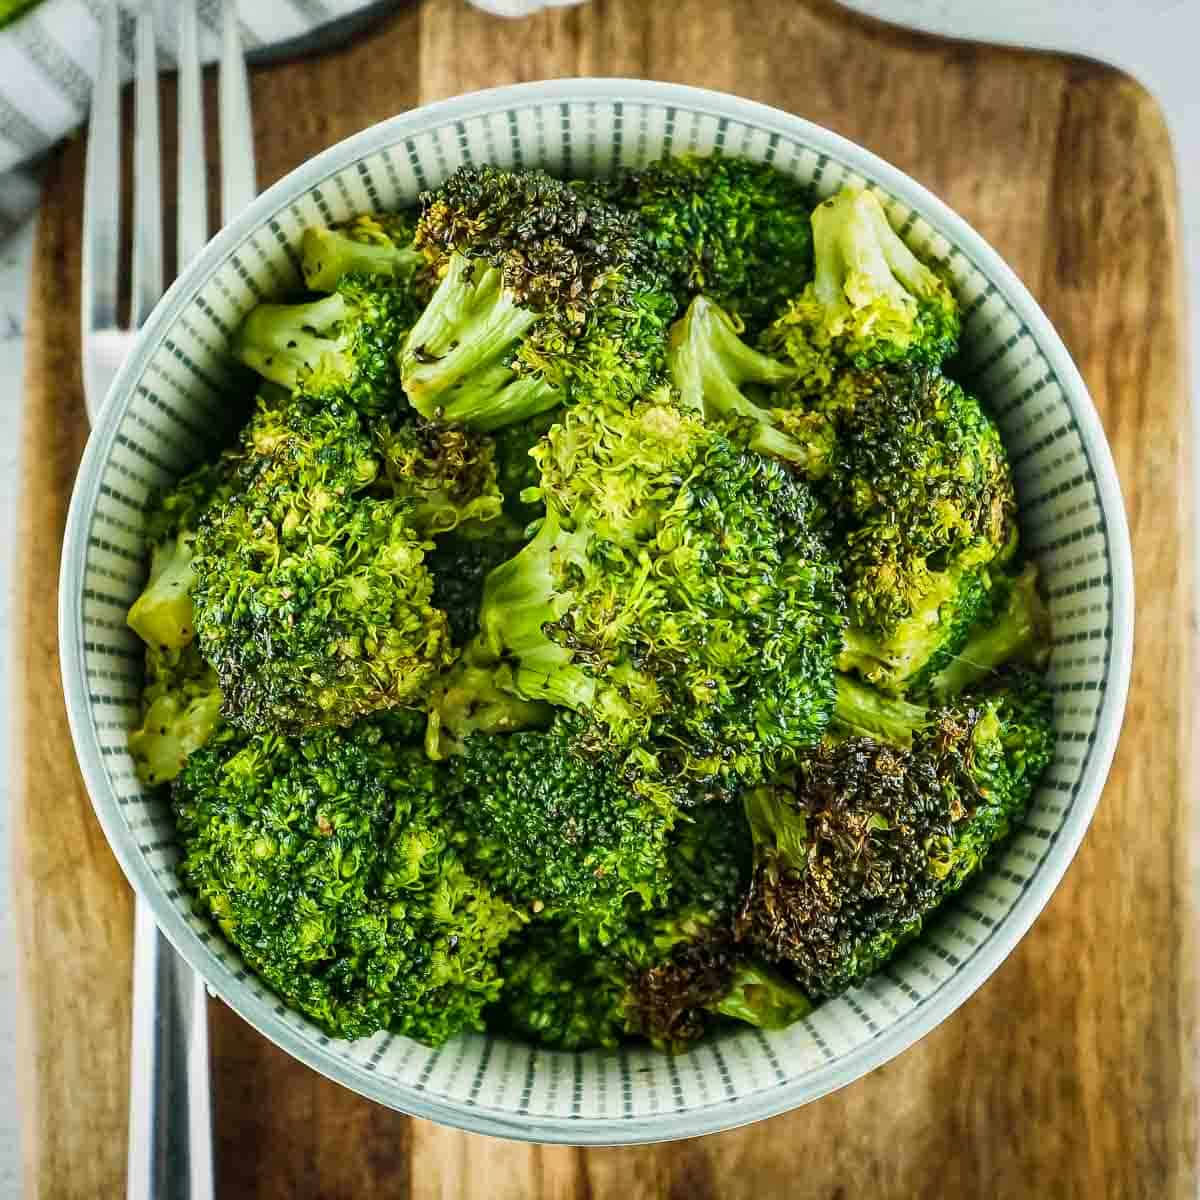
871	301
735	230
545	296
312	600
162	614
379	245
863	840
711	366
330	862
341	344
181	709
675	595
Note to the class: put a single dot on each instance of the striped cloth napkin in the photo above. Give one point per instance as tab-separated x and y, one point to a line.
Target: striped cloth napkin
48	61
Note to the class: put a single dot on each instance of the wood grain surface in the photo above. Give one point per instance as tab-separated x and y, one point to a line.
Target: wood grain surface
1071	1073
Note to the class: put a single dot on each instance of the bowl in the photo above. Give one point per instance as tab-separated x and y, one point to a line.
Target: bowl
169	393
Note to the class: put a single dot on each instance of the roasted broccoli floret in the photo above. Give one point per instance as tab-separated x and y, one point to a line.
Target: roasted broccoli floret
920	496
561	830
735	230
162	614
343	342
675	595
871	301
545	295
1014	628
669	975
862	840
517	471
373	244
330	861
311	597
181	709
712	366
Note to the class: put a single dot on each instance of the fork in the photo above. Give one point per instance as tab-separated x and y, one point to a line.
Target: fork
170	1125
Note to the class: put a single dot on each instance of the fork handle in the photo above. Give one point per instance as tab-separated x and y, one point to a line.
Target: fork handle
170	1126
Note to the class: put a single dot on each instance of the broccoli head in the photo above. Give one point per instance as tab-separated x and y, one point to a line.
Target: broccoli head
675	595
162	614
559	829
863	840
311	598
545	295
735	230
669	975
330	863
181	709
378	244
871	301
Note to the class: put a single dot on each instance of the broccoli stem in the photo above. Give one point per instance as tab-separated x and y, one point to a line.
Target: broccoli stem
710	364
860	258
326	255
520	598
1017	633
281	340
162	615
453	362
862	710
474	699
762	997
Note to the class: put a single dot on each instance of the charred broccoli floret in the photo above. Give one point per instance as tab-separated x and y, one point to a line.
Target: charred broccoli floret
871	301
345	341
669	975
545	295
863	840
330	861
736	231
312	600
675	595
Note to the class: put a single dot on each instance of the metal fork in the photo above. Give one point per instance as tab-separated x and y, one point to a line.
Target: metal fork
170	1127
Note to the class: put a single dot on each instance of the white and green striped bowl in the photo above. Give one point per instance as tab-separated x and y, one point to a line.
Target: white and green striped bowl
172	392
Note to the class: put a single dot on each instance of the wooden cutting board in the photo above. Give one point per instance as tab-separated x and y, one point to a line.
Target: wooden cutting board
1072	1072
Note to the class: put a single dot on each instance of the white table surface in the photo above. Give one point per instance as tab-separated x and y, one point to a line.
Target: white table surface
1179	92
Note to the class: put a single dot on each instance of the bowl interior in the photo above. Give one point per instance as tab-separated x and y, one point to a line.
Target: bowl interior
173	394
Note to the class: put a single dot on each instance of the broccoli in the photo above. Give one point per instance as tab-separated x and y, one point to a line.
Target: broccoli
311	598
379	245
736	231
863	840
674	595
668	975
558	829
459	564
920	497
344	341
181	709
162	614
871	301
517	471
545	295
330	862
1014	628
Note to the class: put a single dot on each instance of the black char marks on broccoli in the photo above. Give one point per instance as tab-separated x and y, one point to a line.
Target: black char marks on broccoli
546	296
862	841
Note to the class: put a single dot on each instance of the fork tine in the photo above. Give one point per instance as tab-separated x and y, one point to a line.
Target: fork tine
192	230
102	194
147	183
238	184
